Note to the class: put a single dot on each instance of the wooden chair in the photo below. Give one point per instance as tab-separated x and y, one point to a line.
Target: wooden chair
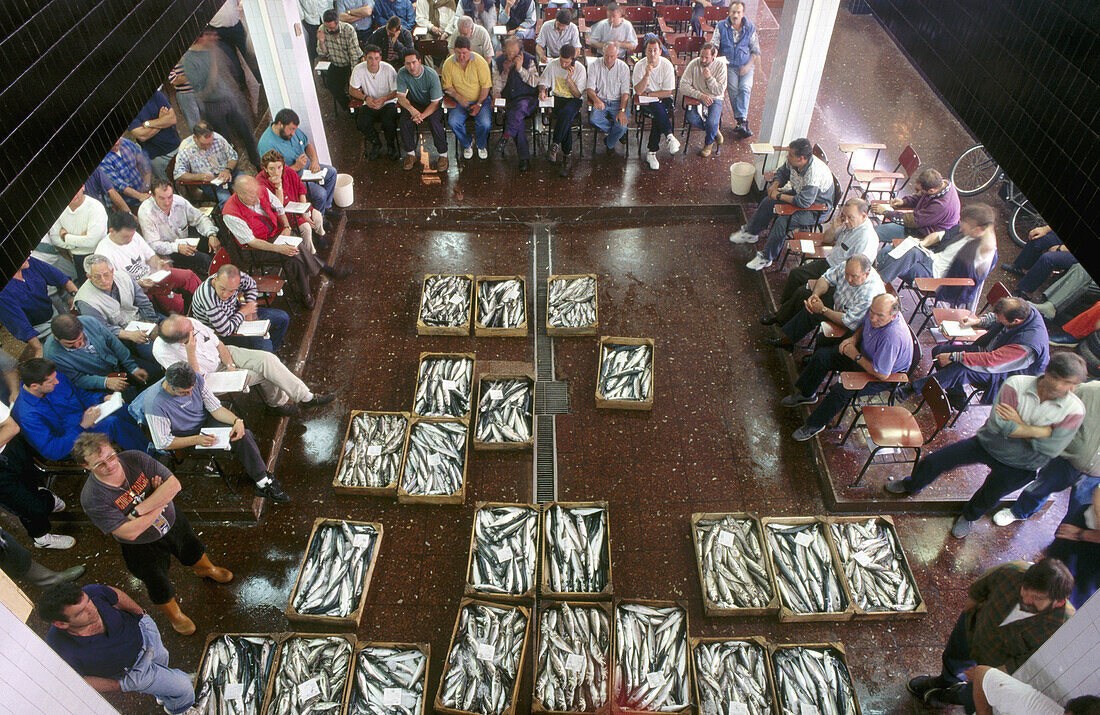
686	47
820	153
642	17
885	183
851	149
640	118
822	215
673	21
859	380
686	102
712	16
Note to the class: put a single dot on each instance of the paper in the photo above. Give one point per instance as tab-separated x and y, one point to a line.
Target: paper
420	31
646	99
486	651
220	435
725	538
233	691
322	65
158	276
804	709
309	690
296	207
738	709
862	559
574	662
308	175
655	679
361	541
109	405
391	697
806	245
138	326
1017	614
288	241
193	242
505	553
500	102
373	450
548	102
500	29
804	539
496	394
904	247
226	381
217	181
448	384
434	460
954	329
254	328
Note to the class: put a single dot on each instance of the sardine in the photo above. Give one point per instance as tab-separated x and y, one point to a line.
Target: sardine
651	652
444	386
804	568
311	676
874	566
234	675
572	671
576	540
501	304
814	680
626	372
731	560
571	302
388	681
505	550
446	301
331	582
372	454
504	411
730	672
481	669
435	458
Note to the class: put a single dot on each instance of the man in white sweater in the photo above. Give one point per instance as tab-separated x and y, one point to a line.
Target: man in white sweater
79	229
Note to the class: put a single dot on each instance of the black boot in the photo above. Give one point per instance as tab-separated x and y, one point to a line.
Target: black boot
39	575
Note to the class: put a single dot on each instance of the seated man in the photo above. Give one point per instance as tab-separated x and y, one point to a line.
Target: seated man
705	79
480	40
392	40
167	219
1043	255
227	299
25	305
438	17
94	359
466	80
180	406
609	95
518	17
933	207
420	94
128	252
79	229
374	83
339	42
23	491
655	77
482	12
129	170
855	284
1065	293
810	183
285	136
155	130
116	303
566	80
881	346
614	30
516	81
207	157
1033	421
52	413
554	34
934	255
401	9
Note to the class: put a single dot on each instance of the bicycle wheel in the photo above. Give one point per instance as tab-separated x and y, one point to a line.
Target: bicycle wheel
974	171
1024	218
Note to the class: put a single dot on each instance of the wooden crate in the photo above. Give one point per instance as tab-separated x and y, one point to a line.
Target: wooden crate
560	332
390	490
422	647
615	706
859	613
277	639
769	677
544	548
451	356
786	615
423	328
352	619
537	705
511	709
527	597
504	446
838	648
519	331
646	404
269	691
710	608
458	497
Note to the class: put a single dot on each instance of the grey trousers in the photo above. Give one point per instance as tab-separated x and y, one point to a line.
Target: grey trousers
1070	287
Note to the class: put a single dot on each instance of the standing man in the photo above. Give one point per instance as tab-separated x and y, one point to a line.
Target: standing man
311	11
516	81
736	40
467	81
206	156
286	137
155	129
227	299
420	94
393	40
655	79
166	220
79	229
565	79
438	17
227	22
374	83
554	34
339	42
613	30
609	95
358	14
25	305
480	40
402	9
705	79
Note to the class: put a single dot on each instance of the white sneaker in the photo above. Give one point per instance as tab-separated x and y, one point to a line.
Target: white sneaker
54	541
758	263
673	144
651	159
742	236
1004	517
482	153
468	152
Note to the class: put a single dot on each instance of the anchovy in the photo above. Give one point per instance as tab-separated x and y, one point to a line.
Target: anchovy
234	675
576	539
504	551
571	302
730	672
501	304
331	582
874	566
435	458
504	412
804	568
651	657
388	681
626	372
814	680
572	670
731	561
444	387
372	454
482	667
446	301
311	676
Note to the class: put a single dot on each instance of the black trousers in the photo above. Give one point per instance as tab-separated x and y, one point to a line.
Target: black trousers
311	40
297	272
244	449
365	117
15	560
797	278
336	81
150	562
19	488
226	118
410	130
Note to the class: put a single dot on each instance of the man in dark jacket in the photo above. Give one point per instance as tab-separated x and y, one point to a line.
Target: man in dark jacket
933	207
394	41
515	80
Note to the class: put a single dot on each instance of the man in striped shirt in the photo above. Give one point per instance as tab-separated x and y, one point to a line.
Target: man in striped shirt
228	298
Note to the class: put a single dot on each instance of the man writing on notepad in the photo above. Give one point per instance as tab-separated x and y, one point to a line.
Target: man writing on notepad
166	220
227	299
169	288
207	157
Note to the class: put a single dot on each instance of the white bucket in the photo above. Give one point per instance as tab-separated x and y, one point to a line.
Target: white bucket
741	176
344	195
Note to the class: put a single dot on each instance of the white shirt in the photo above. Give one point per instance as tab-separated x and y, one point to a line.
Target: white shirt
1008	696
375	85
206	350
556	79
661	79
84	227
942	261
228	16
448	18
131	258
163	231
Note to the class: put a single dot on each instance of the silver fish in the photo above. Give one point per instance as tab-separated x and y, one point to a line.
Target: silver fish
571	302
813	679
388	681
731	562
874	566
311	676
626	372
483	664
730	672
444	387
234	675
576	540
331	583
446	301
572	672
505	551
501	304
504	411
372	454
435	458
804	568
651	657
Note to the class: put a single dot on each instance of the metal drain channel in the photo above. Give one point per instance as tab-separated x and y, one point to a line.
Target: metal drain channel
551	396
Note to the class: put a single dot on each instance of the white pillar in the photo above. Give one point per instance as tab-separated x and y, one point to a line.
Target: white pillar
275	29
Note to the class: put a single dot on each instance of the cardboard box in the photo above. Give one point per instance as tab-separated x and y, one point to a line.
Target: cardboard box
423	328
276	639
269	692
646	404
562	332
616	706
859	613
458	497
537	706
390	490
837	648
544	549
505	446
528	596
786	614
352	619
450	356
422	647
482	331
712	609
765	648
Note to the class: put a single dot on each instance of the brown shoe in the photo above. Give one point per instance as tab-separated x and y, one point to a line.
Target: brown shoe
205	569
180	622
707	150
719	138
410	162
441	165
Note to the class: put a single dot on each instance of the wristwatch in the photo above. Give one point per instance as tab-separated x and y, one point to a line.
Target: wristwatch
146	124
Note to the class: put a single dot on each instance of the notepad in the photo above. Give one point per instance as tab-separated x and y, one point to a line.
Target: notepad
217	181
254	328
955	329
548	102
806	245
158	276
904	247
288	241
308	175
226	381
420	31
500	29
500	102
646	99
220	434
140	327
296	207
193	242
111	404
322	65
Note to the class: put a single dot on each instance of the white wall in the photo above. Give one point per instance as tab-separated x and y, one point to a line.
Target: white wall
1067	665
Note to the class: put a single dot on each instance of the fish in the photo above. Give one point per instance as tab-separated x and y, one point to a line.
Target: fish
626	372
576	553
571	302
331	581
372	453
446	301
730	672
651	657
731	563
812	679
234	675
874	566
388	681
481	669
504	412
311	676
805	574
444	386
572	670
435	458
504	550
501	303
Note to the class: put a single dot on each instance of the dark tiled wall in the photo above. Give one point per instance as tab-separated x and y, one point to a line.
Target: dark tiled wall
1023	76
75	73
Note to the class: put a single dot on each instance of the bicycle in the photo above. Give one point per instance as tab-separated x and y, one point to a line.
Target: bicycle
975	171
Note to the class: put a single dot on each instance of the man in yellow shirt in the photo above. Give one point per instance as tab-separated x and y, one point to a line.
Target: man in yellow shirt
466	80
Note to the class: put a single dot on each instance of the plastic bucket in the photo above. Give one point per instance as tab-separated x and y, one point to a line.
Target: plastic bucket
344	195
741	176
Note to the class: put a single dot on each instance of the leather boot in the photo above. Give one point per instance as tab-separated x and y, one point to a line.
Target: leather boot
39	575
171	610
205	569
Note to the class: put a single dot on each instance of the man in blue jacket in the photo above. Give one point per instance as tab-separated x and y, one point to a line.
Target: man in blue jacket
25	304
94	359
736	40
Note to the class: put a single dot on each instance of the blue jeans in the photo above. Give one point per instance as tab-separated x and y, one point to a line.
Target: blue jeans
320	194
152	676
221	193
711	124
482	123
605	120
888	230
1031	252
739	88
1057	475
914	264
565	110
1040	272
765	212
280	321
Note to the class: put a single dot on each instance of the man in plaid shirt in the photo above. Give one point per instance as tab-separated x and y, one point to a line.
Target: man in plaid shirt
339	42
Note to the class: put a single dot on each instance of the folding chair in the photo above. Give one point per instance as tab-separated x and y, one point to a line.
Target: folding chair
822	215
851	148
686	102
642	17
857	381
885	183
673	21
712	16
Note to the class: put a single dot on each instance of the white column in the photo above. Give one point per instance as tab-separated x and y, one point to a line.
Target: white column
275	29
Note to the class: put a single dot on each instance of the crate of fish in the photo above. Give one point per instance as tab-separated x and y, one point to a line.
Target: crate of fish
503	552
572	658
484	662
373	453
650	672
624	378
436	456
576	551
388	678
734	574
233	672
875	568
572	305
501	307
335	573
732	675
505	412
311	674
446	305
444	385
805	565
813	678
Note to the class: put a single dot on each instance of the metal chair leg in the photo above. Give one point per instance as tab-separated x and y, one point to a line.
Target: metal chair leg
855	421
866	466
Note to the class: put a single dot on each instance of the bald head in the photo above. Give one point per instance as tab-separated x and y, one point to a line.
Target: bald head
226	281
175	329
884	308
247	189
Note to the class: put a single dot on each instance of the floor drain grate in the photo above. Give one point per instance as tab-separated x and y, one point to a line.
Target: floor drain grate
552	397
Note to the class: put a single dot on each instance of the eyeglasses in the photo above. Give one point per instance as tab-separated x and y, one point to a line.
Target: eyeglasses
98	466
